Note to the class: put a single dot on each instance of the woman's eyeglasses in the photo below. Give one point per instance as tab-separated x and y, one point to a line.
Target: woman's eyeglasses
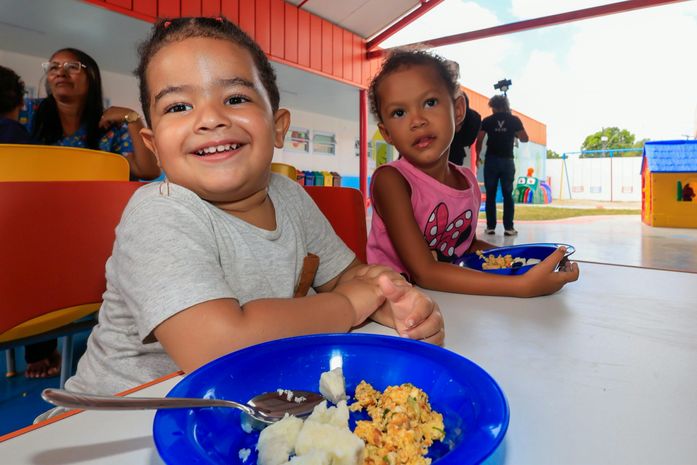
71	67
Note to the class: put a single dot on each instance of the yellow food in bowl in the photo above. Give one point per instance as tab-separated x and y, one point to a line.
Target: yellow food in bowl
497	262
402	427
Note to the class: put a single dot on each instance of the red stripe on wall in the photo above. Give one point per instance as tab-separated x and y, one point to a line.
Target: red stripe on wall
327	47
210	8
348	54
246	18
365	72
278	33
191	7
357	58
337	51
168	9
315	42
121	3
231	10
262	21
304	38
374	67
145	7
278	28
291	32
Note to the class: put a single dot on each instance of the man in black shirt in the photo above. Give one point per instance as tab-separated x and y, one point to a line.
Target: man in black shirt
501	128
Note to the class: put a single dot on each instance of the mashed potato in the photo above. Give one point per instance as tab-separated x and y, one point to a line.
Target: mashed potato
323	439
332	385
277	441
403	425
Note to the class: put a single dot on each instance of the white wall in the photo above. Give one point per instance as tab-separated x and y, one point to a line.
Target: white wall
345	162
591	179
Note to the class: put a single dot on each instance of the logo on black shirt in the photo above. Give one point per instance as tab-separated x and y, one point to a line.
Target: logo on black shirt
502	126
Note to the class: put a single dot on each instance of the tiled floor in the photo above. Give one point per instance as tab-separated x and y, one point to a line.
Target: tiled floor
20	397
618	239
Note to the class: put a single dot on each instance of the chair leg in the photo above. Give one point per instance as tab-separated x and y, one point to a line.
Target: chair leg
66	359
10	363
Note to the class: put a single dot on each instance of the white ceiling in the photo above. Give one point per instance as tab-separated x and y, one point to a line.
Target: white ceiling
362	17
39	27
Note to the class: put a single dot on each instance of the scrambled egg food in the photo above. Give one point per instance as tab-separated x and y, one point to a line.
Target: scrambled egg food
497	262
403	425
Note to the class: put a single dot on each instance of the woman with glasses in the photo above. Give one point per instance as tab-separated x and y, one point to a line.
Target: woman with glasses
73	115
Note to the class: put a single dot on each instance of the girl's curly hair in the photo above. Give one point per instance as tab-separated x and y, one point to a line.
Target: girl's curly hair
407	57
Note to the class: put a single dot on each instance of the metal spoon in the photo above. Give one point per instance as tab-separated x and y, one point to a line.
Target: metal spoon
265	408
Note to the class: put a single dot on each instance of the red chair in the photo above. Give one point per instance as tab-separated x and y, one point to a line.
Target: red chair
344	207
55	239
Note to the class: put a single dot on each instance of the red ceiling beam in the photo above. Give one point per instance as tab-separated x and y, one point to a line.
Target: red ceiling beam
537	23
426	6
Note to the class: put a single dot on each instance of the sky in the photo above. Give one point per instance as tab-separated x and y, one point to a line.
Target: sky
635	70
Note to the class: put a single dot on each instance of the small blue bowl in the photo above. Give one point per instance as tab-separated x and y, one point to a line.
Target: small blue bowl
537	250
474	408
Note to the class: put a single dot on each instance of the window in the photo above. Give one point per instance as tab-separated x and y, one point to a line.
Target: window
298	140
357	146
324	143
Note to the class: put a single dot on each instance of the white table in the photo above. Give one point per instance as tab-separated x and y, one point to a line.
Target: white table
603	372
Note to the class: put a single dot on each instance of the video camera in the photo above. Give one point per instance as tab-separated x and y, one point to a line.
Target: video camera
503	85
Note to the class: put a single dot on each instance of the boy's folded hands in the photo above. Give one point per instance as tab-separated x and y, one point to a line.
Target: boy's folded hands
382	294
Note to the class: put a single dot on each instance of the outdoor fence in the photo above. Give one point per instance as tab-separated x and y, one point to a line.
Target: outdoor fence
613	178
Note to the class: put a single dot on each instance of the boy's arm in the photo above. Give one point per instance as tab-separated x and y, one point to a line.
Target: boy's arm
391	189
211	329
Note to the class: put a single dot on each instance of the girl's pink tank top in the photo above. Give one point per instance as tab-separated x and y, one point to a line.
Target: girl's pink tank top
447	217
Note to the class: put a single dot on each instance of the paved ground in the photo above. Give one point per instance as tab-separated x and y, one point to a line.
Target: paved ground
593	204
615	239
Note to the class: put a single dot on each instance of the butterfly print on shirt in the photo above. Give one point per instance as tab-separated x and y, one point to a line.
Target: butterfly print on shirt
444	237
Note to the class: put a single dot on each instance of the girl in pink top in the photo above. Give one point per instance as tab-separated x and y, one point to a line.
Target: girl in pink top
425	209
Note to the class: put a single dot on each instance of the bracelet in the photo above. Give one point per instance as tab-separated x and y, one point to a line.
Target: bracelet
131	117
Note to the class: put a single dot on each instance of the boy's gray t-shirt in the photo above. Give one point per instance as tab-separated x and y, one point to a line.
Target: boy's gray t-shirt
175	251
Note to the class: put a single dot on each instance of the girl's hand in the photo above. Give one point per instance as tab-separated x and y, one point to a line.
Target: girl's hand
409	311
542	279
113	115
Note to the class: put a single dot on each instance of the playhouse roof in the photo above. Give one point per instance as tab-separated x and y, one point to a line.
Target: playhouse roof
671	156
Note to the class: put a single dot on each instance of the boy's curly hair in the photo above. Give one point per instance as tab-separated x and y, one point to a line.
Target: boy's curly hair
407	57
168	31
11	90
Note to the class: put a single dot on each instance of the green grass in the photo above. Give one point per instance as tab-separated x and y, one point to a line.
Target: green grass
541	213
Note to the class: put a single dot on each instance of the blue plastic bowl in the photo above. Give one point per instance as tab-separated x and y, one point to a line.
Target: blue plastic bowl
474	408
538	250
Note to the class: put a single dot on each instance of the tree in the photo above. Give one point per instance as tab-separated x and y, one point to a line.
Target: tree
610	138
640	144
552	154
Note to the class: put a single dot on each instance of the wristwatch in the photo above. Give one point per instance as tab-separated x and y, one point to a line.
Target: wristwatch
131	117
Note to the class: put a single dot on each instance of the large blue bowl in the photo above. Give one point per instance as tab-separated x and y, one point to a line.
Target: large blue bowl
474	408
539	250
